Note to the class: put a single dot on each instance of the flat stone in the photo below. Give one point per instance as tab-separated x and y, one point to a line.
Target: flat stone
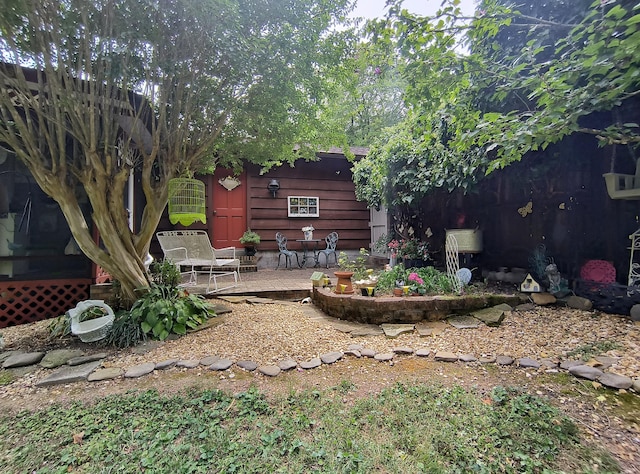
543	299
578	302
87	358
430	328
345	326
368	330
209	360
6	354
525	307
21	360
635	312
259	300
58	357
606	362
467	358
311	364
354	347
527	363
269	370
353	353
384	356
464	322
567	364
139	370
586	372
287	364
492	316
69	374
234	299
444	356
248	365
402	350
636	385
611	380
331	357
504	360
487	360
220	309
394	330
221	364
105	374
188	364
368	352
423	352
549	363
166	364
146	347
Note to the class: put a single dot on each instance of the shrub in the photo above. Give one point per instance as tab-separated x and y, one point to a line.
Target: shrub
125	331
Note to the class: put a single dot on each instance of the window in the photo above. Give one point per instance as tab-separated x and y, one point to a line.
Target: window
304	206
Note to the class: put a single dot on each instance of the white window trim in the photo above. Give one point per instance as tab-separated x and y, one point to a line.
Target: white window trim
303	214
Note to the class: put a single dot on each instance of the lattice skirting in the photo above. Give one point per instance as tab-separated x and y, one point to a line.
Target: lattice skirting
28	301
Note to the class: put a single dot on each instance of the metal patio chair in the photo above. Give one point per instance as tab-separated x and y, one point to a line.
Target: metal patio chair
284	251
332	243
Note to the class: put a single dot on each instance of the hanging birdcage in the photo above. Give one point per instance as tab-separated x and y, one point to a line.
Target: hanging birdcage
187	203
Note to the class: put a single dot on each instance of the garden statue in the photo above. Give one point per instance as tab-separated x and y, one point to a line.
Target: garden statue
558	286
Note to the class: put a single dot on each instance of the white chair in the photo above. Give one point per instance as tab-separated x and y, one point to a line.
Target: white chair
192	249
93	329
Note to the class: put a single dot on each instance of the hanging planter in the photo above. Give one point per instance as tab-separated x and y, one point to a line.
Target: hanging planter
187	202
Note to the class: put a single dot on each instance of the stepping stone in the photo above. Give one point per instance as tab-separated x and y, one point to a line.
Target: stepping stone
636	385
368	330
248	365
609	379
527	363
423	352
139	370
311	364
269	370
221	364
331	357
58	357
368	352
567	364
220	309
345	326
209	360
586	372
21	360
432	328
355	347
384	356
166	364
188	364
467	358
258	300
464	322
287	364
234	299
5	355
525	307
402	350
69	374
493	316
87	358
543	299
353	353
444	356
504	360
487	360
549	363
105	374
606	362
394	330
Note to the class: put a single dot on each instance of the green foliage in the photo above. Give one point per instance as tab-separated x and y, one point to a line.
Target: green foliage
357	266
60	327
124	332
433	281
404	428
250	237
6	377
589	351
163	310
165	273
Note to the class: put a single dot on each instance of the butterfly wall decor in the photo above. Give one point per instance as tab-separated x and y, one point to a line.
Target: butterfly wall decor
528	209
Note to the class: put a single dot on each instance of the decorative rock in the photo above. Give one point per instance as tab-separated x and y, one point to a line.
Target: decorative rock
487	360
105	374
331	357
188	364
56	358
423	352
247	365
579	302
269	370
166	364
287	364
394	330
609	379
20	360
464	322
221	364
402	350
68	374
527	362
86	358
548	363
311	364
543	299
209	360
567	364
492	316
606	362
586	372
355	347
383	357
368	352
5	355
467	358
504	360
635	312
444	356
525	307
353	353
636	385
139	370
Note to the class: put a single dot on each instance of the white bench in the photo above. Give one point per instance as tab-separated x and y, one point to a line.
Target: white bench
192	249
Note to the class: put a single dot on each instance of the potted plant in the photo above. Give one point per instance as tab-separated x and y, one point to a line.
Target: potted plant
250	240
344	285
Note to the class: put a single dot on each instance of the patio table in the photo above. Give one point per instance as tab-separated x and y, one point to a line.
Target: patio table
307	248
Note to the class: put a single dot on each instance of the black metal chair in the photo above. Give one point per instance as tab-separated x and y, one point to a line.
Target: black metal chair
282	247
332	242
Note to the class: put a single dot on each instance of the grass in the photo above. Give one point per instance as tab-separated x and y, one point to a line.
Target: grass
5	377
588	351
403	429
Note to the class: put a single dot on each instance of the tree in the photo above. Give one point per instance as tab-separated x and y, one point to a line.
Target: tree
164	88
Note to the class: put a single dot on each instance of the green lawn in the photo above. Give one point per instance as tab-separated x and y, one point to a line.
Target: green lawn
404	429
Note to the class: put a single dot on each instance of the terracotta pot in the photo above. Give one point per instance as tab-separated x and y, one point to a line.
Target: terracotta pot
344	285
397	292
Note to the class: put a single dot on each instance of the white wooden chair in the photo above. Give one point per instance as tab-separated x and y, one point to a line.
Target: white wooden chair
192	249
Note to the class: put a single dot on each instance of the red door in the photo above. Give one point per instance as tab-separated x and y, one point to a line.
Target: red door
229	209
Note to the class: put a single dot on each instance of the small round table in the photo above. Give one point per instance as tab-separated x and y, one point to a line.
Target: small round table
306	249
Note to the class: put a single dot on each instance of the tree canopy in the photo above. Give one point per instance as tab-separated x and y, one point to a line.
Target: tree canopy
93	90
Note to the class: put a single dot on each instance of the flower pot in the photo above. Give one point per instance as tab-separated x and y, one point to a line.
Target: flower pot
397	292
368	291
250	250
308	235
344	285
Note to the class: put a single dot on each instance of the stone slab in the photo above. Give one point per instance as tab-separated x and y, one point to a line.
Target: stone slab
504	360
105	374
139	370
432	328
269	370
394	330
311	364
58	357
86	358
331	357
248	365
209	360
492	316
166	364
221	364
287	364
586	372
367	330
6	354
258	300
444	356
384	356
612	380
21	360
69	374
464	322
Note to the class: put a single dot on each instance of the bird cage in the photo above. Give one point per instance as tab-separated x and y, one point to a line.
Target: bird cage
187	202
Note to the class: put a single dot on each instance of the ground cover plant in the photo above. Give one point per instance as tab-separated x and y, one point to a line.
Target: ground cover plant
404	428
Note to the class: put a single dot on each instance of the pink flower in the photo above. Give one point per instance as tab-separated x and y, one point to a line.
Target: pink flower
415	277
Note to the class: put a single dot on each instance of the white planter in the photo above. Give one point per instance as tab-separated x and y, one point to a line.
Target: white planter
308	235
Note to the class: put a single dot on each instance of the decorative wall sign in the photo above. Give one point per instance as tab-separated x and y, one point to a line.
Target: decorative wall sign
229	183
